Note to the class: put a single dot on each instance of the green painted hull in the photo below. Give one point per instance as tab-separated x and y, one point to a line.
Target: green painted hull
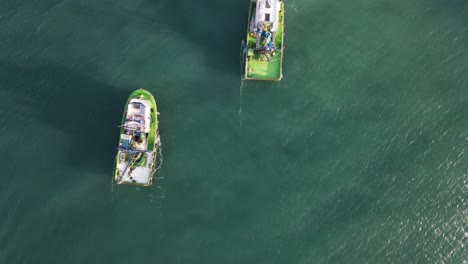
153	136
255	68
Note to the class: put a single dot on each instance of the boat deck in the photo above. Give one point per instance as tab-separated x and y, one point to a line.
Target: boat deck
140	175
265	70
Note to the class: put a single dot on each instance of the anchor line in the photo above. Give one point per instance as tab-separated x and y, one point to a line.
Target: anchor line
242	52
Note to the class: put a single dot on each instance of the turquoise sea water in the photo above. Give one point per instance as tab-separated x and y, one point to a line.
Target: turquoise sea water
359	155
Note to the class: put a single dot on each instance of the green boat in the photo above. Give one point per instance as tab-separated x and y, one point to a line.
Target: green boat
264	56
139	141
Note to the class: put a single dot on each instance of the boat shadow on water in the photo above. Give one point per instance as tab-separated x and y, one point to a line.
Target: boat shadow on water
215	27
86	110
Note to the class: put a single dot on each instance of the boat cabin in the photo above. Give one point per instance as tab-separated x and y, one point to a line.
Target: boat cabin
267	14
